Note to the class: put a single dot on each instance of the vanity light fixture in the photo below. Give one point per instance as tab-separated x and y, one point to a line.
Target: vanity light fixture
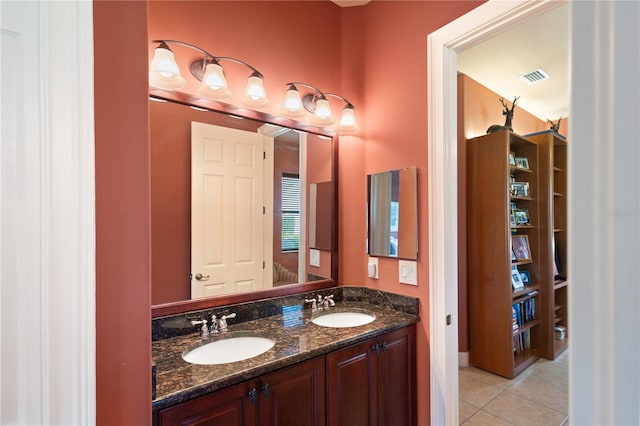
164	73
317	103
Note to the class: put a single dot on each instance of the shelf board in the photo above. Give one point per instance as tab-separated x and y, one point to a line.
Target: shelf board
526	326
519	169
558	169
558	230
558	284
521	226
521	198
527	289
557	307
523	359
558	194
557	320
521	262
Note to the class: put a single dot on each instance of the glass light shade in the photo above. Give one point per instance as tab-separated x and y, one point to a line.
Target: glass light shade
214	83
292	105
322	115
348	121
255	94
164	72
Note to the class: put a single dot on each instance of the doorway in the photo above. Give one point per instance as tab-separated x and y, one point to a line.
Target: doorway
476	26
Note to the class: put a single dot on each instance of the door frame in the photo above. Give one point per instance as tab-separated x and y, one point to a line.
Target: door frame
476	26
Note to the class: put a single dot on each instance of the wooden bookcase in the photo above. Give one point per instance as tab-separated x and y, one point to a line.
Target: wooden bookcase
495	344
553	228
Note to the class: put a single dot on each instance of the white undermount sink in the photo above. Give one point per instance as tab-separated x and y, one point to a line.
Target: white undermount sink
228	349
343	319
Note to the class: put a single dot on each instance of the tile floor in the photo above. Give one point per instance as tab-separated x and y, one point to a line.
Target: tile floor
538	396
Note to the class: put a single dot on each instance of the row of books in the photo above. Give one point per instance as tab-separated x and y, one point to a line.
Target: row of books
522	341
523	311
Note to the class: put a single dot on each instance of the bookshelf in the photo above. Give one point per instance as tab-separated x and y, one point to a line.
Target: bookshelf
553	228
503	211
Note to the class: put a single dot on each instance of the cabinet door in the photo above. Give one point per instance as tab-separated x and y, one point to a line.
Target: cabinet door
351	386
294	395
397	378
228	407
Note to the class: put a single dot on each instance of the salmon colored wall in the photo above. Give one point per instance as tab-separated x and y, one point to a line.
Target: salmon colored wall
123	248
389	64
479	108
279	38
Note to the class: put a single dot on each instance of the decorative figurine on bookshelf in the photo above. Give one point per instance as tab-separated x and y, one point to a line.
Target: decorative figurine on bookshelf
508	113
555	125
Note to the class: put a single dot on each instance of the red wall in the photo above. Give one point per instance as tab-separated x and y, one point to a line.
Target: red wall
123	251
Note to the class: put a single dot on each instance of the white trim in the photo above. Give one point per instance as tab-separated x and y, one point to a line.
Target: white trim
51	224
477	25
463	359
604	214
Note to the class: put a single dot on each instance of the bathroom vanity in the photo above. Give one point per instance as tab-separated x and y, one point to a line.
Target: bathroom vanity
313	375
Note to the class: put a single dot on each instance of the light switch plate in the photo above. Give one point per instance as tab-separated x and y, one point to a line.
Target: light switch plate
408	272
372	268
314	258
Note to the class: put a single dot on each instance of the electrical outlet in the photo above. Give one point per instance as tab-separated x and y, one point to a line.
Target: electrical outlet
372	268
408	272
314	258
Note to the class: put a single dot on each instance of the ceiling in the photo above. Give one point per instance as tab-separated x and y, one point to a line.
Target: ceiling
497	63
541	42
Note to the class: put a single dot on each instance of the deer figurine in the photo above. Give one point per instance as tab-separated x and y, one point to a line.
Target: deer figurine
508	113
555	125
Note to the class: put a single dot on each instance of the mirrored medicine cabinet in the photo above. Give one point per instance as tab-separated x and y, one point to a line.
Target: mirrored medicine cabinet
392	214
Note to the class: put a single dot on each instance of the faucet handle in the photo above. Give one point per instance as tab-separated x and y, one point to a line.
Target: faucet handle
233	315
313	303
204	330
329	299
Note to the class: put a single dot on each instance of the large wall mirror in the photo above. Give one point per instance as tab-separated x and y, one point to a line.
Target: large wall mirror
237	206
392	212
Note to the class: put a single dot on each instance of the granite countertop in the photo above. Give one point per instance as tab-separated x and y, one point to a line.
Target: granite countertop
297	339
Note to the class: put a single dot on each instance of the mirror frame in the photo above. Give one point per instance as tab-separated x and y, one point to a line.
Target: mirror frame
212	302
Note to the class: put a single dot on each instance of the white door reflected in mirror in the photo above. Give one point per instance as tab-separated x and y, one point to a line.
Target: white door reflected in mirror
227	198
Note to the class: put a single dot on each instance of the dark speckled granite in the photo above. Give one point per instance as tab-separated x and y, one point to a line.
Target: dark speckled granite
297	339
180	324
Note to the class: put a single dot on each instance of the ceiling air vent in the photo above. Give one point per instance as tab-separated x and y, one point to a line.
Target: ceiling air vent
535	76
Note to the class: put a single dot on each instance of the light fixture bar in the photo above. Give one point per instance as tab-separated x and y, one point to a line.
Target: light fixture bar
209	71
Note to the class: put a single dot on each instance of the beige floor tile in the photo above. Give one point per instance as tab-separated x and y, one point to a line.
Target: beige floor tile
549	372
482	418
485	376
523	412
554	396
476	392
466	410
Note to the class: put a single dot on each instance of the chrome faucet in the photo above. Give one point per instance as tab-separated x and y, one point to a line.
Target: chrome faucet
214	324
222	322
204	330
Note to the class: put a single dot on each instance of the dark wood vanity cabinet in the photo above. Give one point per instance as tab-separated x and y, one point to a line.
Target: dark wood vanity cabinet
370	383
292	396
229	407
373	383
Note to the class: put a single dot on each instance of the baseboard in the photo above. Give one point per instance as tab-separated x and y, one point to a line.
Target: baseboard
463	359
